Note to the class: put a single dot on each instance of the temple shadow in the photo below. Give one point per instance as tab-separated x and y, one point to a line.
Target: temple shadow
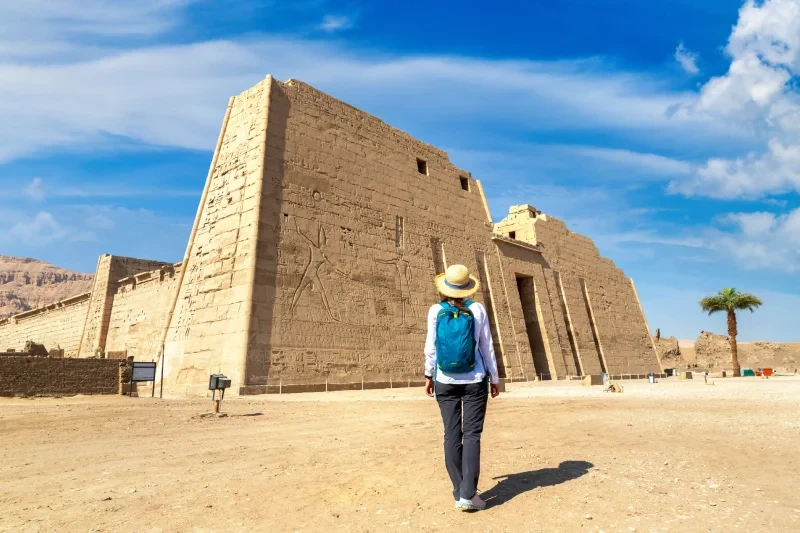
513	485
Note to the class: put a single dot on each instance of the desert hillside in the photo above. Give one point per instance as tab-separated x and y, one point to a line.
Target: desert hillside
27	284
713	352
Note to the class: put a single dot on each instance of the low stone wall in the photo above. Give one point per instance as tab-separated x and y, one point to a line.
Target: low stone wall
56	326
45	376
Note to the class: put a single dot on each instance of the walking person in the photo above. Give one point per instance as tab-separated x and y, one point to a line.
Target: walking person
460	372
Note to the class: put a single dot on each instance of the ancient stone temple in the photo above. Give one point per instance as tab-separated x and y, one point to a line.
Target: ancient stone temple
311	260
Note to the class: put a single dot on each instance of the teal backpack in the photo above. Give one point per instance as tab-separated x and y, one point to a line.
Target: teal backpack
455	339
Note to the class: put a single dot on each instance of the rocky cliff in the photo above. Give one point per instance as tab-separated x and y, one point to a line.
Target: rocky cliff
27	284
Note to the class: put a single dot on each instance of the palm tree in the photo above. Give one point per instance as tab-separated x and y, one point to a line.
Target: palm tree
730	300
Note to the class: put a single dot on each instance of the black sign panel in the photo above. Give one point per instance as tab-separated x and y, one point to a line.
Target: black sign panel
143	372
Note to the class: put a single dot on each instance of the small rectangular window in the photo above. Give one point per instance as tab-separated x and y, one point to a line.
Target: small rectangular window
286	218
422	166
464	183
512	234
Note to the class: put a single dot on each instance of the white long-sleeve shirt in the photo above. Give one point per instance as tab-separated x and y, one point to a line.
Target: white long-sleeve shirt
483	340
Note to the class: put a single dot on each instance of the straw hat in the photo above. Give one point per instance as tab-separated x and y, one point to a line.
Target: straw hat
457	282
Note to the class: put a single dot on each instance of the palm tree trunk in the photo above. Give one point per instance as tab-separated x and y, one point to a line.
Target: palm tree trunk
732	335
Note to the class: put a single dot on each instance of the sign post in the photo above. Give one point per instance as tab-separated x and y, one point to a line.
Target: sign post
143	372
161	388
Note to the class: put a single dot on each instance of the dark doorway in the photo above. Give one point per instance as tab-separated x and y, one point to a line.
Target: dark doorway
527	296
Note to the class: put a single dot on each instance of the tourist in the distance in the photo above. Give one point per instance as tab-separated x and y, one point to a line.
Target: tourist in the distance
460	371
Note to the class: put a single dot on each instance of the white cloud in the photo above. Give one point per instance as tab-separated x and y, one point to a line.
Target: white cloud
760	239
687	59
35	190
757	92
41	230
332	23
175	95
777	170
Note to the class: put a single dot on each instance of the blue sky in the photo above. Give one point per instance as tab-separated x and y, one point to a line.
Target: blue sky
666	131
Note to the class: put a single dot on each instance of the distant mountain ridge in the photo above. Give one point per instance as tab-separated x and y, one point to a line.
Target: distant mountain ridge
27	283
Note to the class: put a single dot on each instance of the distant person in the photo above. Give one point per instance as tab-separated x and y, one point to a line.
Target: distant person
460	371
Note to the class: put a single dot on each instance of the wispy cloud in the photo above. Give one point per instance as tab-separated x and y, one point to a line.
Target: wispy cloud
34	232
35	191
174	95
95	229
332	23
651	237
643	162
38	190
687	59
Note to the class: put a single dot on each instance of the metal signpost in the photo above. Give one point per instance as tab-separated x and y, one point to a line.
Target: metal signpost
143	372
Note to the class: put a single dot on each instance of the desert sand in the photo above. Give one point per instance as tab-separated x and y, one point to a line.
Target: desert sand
676	456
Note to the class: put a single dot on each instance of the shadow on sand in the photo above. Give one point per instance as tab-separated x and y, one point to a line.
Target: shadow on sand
512	485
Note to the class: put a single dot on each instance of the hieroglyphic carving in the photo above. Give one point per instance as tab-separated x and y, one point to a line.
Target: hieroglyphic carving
438	255
316	260
404	273
348	237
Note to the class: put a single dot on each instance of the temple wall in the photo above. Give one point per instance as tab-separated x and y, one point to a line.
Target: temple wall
139	312
208	331
353	228
599	296
56	325
110	269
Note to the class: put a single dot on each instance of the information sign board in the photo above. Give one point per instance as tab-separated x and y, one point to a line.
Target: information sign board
143	372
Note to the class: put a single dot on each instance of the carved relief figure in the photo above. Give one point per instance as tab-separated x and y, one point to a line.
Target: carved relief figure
403	268
316	260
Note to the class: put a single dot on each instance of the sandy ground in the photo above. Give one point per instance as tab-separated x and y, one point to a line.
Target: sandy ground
674	456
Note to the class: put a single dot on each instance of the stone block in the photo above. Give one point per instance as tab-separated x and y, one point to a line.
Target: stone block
592	379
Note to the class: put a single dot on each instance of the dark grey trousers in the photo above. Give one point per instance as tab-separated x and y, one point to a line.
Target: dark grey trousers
463	410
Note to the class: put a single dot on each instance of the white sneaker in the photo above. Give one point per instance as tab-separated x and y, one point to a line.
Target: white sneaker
474	504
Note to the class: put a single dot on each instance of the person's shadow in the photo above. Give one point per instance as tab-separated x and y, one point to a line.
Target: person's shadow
512	485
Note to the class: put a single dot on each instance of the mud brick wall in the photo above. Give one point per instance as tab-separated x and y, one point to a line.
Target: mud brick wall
44	376
139	313
58	324
110	269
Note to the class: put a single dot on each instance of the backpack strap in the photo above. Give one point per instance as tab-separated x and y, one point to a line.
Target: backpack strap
467	303
447	307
